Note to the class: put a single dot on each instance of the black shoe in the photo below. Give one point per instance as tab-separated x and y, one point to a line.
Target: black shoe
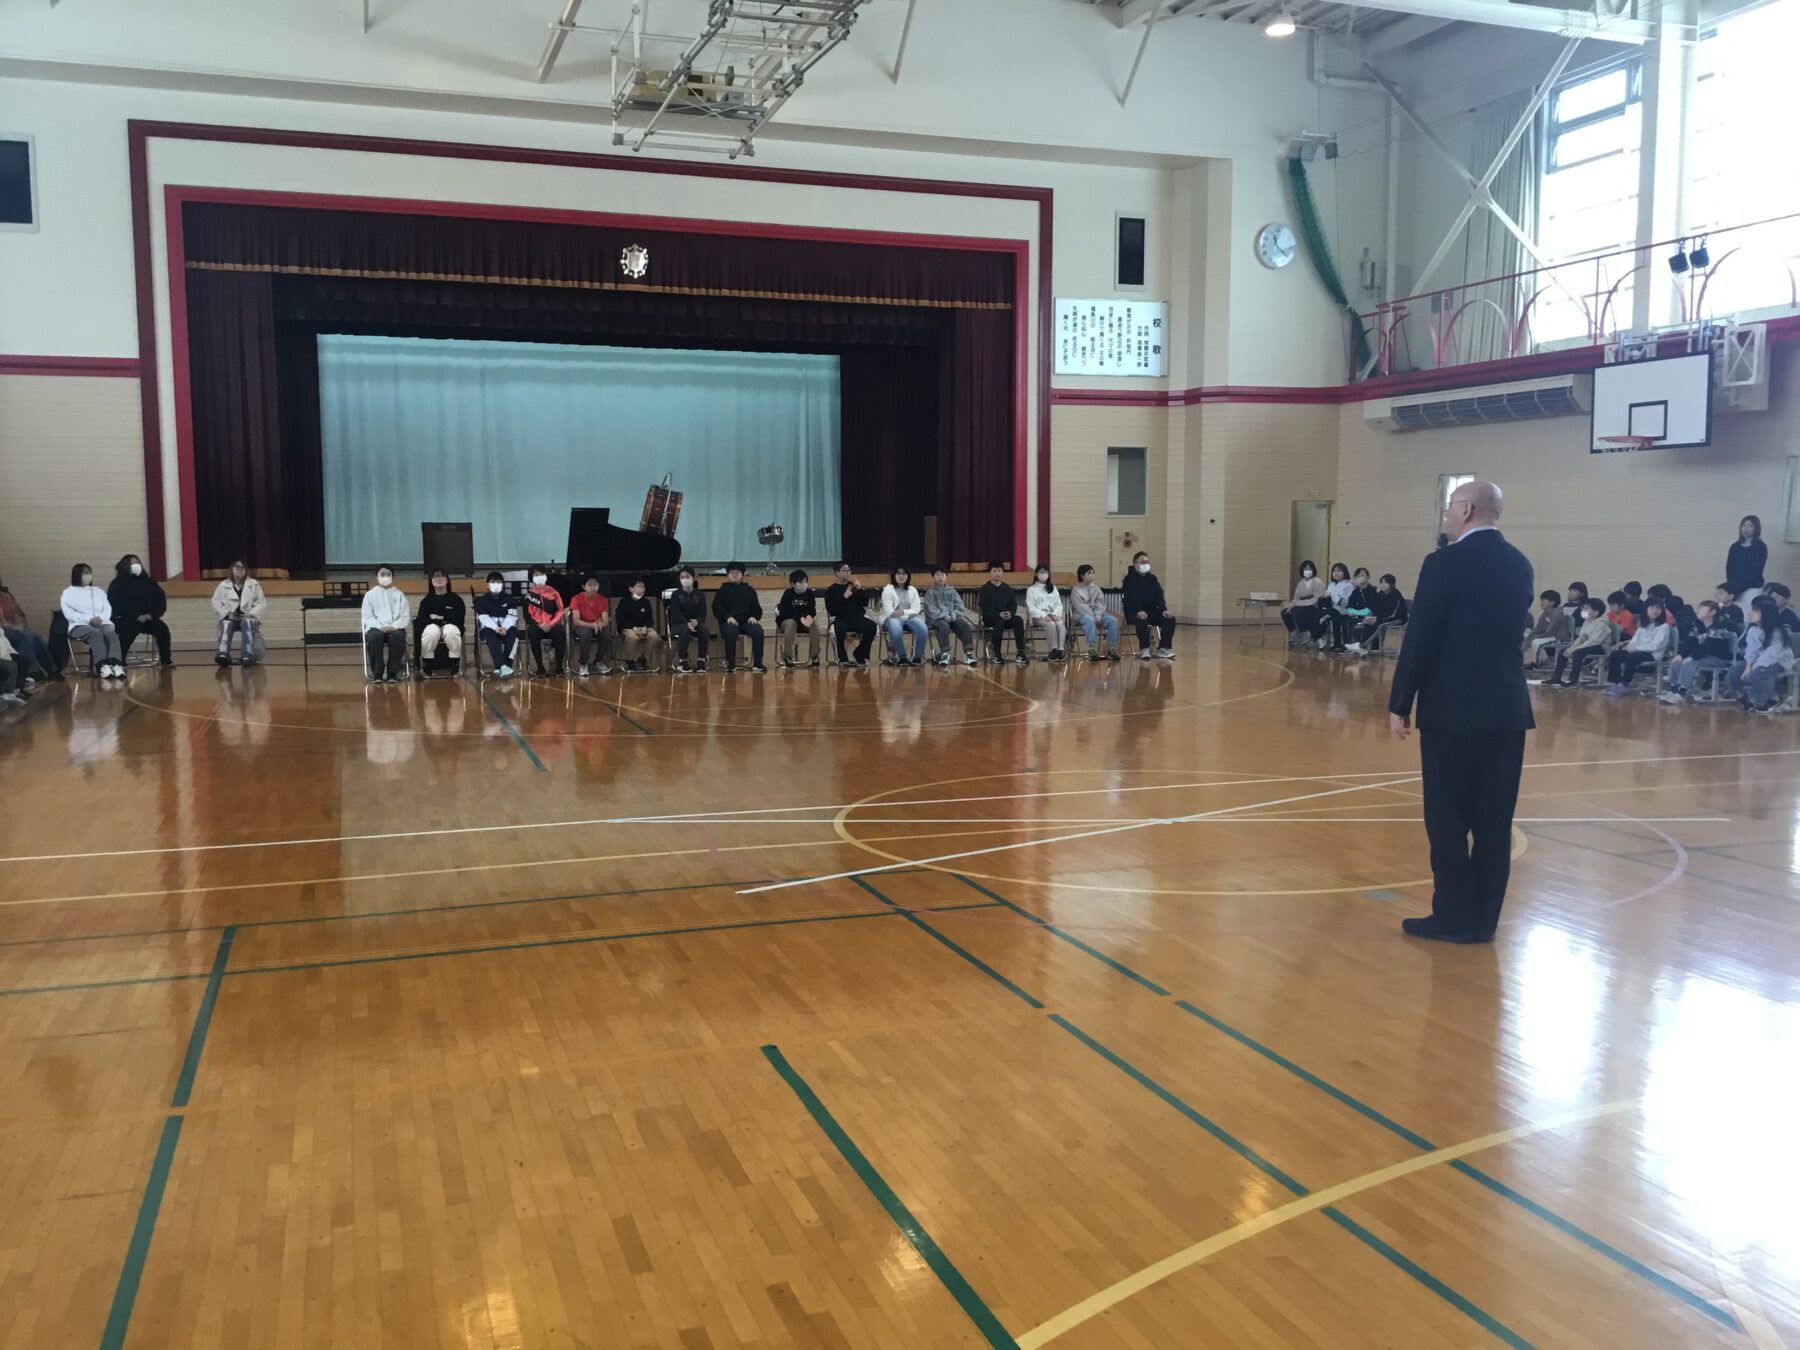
683	668
813	664
1021	660
1428	927
221	660
730	667
702	666
166	661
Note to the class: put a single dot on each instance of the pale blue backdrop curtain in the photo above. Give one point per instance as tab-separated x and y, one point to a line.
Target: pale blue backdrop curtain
510	435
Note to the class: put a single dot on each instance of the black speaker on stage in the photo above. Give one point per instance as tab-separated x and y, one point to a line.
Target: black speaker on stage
588	528
449	547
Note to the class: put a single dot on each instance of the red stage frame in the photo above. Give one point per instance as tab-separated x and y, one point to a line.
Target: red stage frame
140	133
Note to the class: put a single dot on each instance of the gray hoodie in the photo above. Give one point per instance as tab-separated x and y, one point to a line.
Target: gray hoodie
942	602
1087	601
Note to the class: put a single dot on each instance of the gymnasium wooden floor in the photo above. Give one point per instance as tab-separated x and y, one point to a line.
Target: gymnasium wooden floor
444	1016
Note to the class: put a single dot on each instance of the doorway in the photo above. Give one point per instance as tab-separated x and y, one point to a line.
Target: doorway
1311	538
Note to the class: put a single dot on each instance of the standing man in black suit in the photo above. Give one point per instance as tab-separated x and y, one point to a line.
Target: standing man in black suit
1460	662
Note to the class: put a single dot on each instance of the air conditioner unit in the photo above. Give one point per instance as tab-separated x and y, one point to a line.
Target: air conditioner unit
1520	401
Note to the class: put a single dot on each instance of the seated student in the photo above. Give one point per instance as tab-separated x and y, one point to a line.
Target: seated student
686	609
999	605
441	619
1148	608
89	614
32	652
1784	615
738	610
384	614
1731	614
1551	633
1712	646
544	619
636	622
1654	641
847	602
1593	640
498	619
1634	598
1088	608
1337	595
1574	597
1305	612
1620	615
587	611
1044	607
10	681
139	604
902	612
1768	653
239	603
944	616
1349	617
1386	606
797	616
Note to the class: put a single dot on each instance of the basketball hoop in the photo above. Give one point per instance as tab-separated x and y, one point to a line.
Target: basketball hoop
1618	443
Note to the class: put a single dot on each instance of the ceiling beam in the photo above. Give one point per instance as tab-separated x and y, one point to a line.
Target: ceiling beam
1402	34
1535	18
1134	12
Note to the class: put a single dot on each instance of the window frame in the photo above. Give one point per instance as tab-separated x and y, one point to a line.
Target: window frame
1114	462
1555	129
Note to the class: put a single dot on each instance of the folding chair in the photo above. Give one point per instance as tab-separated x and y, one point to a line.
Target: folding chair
362	640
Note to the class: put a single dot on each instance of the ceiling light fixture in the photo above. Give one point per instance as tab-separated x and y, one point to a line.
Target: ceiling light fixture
1282	25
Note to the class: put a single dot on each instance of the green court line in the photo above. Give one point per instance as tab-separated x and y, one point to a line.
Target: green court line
190	1063
963	952
1486	1320
922	1242
100	984
131	1273
1076	942
511	730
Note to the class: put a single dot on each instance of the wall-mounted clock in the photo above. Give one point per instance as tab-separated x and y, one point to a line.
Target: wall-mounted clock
1275	246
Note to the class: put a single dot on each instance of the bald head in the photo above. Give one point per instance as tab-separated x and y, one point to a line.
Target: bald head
1474	503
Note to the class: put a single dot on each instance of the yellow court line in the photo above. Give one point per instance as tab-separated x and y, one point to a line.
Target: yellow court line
1115	1294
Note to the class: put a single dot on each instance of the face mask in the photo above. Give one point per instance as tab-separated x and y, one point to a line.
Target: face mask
687	583
1144	568
1306	574
137	569
384	581
799	588
637	592
538	579
494	588
1043	578
87	578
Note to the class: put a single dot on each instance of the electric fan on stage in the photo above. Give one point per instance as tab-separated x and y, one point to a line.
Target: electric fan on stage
771	535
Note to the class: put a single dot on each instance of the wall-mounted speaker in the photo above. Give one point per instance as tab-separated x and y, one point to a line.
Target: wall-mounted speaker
18	190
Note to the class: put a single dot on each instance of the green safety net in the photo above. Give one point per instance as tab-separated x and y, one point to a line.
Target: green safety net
1320	253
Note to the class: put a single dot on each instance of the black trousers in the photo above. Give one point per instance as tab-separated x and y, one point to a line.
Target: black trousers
1164	627
1575	660
1622	666
1471	782
156	630
558	639
728	635
684	635
387	651
864	628
998	629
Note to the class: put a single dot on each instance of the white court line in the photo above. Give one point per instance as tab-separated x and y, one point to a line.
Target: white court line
1070	838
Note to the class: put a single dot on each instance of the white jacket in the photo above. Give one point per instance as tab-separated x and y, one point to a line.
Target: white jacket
86	605
225	599
385	607
1043	602
900	602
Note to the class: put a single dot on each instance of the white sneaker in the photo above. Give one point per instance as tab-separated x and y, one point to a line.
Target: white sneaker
584	672
1672	698
505	672
1144	653
1354	648
1165	653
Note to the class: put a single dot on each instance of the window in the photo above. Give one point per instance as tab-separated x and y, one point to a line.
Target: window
18	196
1447	483
1588	201
1127	481
1129	272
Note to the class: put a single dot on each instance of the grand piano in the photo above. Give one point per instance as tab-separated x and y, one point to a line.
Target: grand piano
615	554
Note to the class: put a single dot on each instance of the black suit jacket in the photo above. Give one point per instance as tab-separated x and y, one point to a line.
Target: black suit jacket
1461	660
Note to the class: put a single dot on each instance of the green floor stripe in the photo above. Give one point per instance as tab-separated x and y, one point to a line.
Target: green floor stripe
963	952
922	1242
190	1062
1073	941
511	730
131	1274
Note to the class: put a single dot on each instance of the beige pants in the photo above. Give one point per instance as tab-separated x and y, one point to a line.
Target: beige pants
1056	631
638	648
431	634
788	648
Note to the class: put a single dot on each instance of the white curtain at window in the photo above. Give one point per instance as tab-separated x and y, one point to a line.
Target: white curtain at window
510	435
1489	248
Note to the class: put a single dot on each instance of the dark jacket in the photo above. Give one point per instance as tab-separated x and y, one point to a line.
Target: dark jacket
1744	566
685	605
1388	606
795	606
447	608
1732	617
994	599
496	606
1361	597
1461	662
1143	594
633	612
1718	642
131	596
1785	617
853	606
735	601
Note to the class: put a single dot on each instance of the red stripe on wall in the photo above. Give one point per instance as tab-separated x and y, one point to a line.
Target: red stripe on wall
110	366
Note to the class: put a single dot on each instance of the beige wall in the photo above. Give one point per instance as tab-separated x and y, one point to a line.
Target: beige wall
1081	531
71	482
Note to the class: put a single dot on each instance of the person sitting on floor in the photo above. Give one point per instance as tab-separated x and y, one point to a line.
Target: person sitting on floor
1731	614
636	623
544	610
1088	608
903	612
31	651
384	614
738	610
1653	642
1000	615
1711	646
945	617
239	604
441	620
89	614
1350	616
498	619
687	620
1386	606
139	604
1044	607
1550	634
1305	612
1768	653
1618	613
848	605
587	611
1148	608
797	615
1592	641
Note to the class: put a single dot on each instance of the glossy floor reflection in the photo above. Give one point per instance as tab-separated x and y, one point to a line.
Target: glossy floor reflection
457	1015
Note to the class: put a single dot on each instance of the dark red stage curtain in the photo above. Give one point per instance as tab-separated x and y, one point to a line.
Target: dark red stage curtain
890	455
975	445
